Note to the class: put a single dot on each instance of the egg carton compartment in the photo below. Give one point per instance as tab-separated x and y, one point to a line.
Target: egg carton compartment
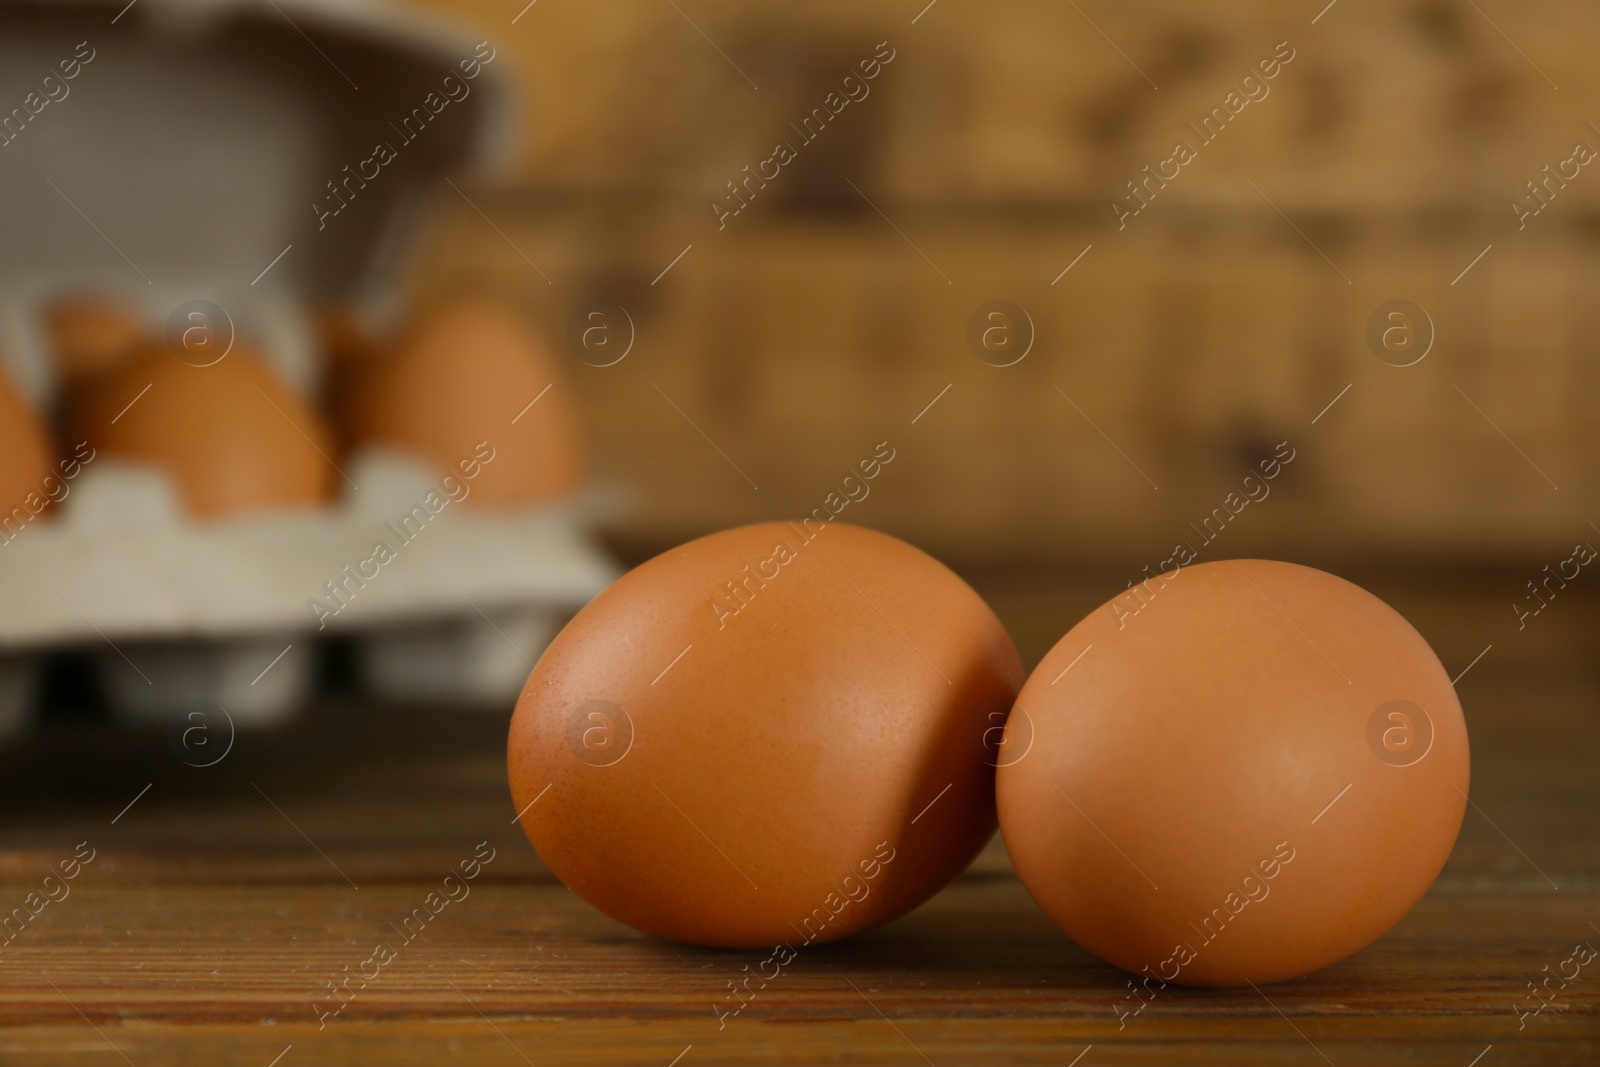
208	142
215	151
479	661
203	139
444	604
251	679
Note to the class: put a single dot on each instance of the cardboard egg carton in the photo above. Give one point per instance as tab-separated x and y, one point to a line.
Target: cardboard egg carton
262	158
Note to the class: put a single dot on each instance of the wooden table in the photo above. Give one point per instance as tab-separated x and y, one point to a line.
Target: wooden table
222	901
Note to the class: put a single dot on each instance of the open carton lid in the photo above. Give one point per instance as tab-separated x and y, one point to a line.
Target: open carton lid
258	154
266	156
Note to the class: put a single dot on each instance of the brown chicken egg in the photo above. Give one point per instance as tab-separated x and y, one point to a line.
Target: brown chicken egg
89	336
464	373
774	734
1235	772
232	435
26	477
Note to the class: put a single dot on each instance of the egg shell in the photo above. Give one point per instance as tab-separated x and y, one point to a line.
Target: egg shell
464	372
233	436
25	455
771	734
1223	788
90	336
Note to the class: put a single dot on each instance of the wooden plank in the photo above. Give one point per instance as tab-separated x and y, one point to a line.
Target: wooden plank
208	925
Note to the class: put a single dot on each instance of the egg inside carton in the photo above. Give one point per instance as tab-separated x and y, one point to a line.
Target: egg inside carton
189	171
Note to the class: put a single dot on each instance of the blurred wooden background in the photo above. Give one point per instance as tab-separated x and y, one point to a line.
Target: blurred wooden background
1222	320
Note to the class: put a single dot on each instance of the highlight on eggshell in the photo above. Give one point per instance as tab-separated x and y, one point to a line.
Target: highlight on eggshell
232	435
1235	772
465	372
773	734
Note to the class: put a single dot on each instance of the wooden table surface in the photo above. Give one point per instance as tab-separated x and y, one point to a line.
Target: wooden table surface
220	904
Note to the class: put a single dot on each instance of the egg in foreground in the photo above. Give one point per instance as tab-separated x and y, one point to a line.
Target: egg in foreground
1254	770
774	734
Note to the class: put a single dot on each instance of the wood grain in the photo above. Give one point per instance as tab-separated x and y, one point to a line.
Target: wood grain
207	925
1222	319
